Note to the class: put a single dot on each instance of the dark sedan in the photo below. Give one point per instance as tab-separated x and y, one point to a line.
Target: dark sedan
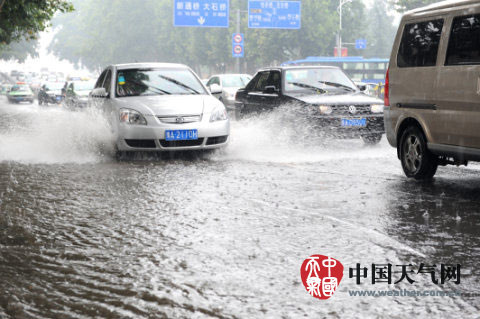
325	96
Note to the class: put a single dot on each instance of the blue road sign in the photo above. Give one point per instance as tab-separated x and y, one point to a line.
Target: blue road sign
360	44
263	14
237	51
237	38
237	45
201	13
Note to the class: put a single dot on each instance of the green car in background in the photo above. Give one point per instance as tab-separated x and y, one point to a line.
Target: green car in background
20	93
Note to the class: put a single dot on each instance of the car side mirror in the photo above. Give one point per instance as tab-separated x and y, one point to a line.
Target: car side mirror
215	89
361	86
100	92
270	89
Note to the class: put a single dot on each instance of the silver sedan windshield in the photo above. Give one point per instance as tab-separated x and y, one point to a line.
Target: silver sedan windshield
141	82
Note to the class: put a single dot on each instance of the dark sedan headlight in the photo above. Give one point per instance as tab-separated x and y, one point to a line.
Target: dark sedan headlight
376	108
325	109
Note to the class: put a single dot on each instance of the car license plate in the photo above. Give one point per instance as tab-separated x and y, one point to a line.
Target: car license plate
354	122
181	135
59	98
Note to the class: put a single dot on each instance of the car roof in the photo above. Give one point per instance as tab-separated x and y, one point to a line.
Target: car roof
127	66
224	74
299	67
441	6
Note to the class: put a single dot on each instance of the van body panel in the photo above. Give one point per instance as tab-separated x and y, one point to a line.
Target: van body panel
444	99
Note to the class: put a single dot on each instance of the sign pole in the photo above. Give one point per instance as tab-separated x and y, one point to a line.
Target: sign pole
237	64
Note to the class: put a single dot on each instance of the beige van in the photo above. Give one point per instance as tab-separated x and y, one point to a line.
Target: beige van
432	93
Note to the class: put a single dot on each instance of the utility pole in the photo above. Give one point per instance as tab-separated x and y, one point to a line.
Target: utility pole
237	65
339	40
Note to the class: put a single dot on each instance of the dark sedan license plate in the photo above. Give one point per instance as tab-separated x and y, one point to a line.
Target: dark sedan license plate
181	135
354	122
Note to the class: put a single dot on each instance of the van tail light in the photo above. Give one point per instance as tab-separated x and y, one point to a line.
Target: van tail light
387	89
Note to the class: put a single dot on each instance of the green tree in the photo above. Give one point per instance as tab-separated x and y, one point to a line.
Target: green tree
381	31
25	18
405	5
19	51
20	23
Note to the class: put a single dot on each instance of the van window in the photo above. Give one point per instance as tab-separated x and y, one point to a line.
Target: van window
464	44
419	46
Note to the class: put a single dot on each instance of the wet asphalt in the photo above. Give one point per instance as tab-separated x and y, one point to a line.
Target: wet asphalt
222	235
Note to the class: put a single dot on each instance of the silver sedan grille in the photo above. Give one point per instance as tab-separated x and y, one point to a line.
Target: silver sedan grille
180	119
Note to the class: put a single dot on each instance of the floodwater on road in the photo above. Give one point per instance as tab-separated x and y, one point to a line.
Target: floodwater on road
224	235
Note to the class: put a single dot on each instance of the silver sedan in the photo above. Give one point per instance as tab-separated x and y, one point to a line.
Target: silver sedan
160	107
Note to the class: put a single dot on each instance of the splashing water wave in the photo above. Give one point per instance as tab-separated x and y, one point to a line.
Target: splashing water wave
34	134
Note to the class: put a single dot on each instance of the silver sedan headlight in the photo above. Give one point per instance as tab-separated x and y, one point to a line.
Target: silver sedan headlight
132	117
377	108
219	114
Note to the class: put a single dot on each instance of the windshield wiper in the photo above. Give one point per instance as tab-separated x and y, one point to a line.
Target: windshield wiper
307	86
149	87
338	85
179	83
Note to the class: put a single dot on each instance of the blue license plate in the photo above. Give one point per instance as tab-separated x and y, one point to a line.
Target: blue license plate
59	98
354	122
181	135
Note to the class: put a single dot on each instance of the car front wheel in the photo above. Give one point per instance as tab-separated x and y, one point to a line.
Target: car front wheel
417	161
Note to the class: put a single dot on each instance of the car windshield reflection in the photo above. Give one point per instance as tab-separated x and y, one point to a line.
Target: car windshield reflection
145	82
321	79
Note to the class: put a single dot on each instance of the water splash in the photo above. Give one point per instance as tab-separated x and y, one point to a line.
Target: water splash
282	136
34	134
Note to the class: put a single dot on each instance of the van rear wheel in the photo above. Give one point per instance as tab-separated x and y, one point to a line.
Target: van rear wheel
417	161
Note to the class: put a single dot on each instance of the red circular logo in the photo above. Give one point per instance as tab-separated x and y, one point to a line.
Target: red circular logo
321	275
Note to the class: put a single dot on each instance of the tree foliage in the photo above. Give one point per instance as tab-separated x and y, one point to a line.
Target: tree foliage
19	51
20	23
381	31
25	18
405	5
99	33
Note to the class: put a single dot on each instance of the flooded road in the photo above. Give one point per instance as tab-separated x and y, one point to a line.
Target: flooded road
83	235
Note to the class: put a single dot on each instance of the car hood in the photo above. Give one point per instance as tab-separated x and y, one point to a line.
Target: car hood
337	99
170	105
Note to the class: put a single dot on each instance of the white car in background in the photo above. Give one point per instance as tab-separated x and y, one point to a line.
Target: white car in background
225	86
160	107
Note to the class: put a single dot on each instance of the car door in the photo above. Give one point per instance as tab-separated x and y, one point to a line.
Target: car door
107	105
256	99
270	95
458	89
94	100
413	71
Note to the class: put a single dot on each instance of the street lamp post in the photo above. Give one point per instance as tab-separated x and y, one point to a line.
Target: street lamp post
339	47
